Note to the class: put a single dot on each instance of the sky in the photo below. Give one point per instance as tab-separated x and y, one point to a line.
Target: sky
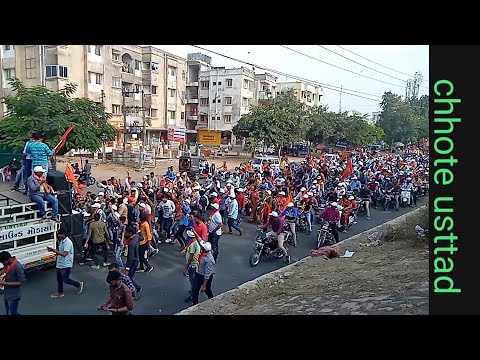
393	65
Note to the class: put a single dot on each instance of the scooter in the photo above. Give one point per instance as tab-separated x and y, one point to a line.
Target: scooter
405	198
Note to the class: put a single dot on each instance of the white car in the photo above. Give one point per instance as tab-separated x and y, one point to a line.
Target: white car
259	161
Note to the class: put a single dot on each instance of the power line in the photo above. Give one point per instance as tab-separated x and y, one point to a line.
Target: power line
374	62
338	67
326	86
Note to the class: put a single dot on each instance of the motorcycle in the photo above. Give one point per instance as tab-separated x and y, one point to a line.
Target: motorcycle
405	198
302	224
324	235
81	177
389	201
268	246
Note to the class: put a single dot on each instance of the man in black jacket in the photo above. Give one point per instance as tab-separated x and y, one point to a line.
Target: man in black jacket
133	259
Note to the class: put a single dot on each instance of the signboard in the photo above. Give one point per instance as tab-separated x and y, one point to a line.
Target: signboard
210	138
26	231
176	133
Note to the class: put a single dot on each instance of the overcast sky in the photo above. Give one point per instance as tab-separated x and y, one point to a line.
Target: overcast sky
406	59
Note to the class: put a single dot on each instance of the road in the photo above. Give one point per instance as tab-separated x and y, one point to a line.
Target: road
165	287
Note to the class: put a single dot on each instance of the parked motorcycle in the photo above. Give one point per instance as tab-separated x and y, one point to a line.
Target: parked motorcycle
268	246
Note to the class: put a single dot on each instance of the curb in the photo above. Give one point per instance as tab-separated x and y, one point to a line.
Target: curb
249	284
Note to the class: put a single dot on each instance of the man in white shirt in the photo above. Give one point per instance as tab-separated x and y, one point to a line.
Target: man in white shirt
64	265
168	212
215	224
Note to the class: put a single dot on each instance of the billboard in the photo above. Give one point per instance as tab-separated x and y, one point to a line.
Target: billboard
209	137
176	133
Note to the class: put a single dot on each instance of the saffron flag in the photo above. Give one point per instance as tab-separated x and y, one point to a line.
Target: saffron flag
63	139
348	170
344	155
70	176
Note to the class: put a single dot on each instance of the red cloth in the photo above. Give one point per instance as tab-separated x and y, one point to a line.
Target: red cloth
241	200
202	230
328	251
348	170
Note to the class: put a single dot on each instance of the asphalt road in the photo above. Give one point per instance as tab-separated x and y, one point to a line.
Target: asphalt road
166	287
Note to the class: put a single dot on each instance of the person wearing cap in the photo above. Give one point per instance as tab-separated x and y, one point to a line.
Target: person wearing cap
214	198
280	202
185	222
39	191
215	229
348	203
120	299
39	153
299	196
192	252
230	189
223	205
277	225
232	214
291	216
366	195
204	275
240	196
168	213
355	184
307	205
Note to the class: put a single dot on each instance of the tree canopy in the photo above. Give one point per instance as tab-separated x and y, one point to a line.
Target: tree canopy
51	113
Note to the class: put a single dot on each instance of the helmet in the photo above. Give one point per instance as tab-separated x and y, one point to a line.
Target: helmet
274	214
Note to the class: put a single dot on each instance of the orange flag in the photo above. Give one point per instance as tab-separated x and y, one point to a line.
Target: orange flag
70	176
348	170
344	155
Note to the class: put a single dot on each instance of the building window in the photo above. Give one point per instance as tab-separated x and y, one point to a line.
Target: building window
228	100
219	101
154	66
250	85
204	84
219	83
203	118
116	82
98	50
204	101
115	56
116	109
137	65
245	84
245	102
146	89
153	113
229	82
8	47
214	83
218	118
98	79
228	119
213	101
171	92
171	71
56	71
9	73
182	116
138	88
213	118
184	76
154	90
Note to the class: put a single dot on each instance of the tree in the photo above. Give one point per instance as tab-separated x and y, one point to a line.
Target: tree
279	122
51	113
359	132
398	119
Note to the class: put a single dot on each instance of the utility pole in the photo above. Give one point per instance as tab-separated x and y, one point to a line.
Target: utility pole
124	110
104	153
340	105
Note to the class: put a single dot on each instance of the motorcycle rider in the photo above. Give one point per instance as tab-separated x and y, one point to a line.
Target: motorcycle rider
347	205
332	215
365	194
355	184
331	195
291	216
408	186
374	187
277	230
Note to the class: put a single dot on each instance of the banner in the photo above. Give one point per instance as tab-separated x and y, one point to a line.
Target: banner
27	231
176	133
209	138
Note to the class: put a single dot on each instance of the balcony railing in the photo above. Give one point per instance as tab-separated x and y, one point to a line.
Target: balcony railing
127	68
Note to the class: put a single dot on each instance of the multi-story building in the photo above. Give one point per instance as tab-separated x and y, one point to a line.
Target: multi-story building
224	96
196	63
375	116
116	75
265	87
306	93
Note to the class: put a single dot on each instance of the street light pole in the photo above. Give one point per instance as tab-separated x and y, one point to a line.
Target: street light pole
104	153
142	146
124	110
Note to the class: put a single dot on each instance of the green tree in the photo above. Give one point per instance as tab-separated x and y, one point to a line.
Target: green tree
51	113
279	122
359	132
398	119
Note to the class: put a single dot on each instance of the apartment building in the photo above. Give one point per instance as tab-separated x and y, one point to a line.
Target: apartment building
265	88
196	63
224	96
115	75
306	93
375	116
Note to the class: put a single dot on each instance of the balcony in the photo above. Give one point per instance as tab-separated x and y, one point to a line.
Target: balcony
265	95
192	83
192	99
201	125
192	117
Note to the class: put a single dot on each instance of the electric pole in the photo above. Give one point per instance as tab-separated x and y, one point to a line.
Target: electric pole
124	110
144	131
340	104
104	153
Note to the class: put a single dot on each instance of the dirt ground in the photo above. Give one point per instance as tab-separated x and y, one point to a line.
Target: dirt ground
387	279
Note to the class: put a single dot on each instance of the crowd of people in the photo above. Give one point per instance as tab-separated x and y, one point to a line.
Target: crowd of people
131	219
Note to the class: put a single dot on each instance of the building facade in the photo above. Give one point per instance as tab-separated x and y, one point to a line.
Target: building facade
375	116
308	94
196	63
134	83
224	96
265	88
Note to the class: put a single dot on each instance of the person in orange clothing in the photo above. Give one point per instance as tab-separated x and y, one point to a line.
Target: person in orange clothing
281	201
348	203
267	207
254	195
146	233
240	196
